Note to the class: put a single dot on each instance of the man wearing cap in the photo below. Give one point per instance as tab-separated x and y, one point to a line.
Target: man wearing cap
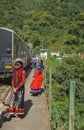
18	81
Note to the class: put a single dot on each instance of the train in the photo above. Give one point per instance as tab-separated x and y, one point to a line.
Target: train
12	46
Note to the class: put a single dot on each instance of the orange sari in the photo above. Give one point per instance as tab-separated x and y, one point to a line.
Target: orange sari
37	82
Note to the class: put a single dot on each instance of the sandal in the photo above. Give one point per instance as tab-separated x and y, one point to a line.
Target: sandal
17	118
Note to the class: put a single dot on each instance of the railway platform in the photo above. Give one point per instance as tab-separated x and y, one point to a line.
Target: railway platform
36	112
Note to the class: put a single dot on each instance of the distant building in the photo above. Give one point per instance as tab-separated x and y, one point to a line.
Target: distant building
71	55
68	55
55	54
43	54
81	55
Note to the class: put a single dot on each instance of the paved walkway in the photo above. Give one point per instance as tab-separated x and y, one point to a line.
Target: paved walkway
36	116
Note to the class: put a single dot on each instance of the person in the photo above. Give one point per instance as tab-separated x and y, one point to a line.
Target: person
35	86
18	81
34	61
40	65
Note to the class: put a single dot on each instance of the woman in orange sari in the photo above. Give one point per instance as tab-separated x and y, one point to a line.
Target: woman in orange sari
35	86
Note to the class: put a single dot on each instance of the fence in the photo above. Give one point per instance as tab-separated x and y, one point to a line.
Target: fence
56	121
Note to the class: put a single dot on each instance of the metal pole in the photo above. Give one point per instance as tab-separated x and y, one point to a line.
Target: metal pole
71	105
50	94
45	78
45	75
42	45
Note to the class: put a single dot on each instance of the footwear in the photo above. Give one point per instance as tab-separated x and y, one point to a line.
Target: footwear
15	115
11	111
19	111
17	118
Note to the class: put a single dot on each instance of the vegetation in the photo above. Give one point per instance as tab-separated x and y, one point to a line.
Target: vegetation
58	23
66	70
59	26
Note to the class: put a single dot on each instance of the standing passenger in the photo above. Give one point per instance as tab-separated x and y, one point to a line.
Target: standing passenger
34	60
35	86
18	81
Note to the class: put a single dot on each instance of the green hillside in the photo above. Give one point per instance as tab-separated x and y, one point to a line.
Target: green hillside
58	23
59	26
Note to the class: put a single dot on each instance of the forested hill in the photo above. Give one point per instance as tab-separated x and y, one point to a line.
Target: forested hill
59	24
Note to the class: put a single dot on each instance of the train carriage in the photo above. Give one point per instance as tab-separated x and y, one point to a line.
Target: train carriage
12	47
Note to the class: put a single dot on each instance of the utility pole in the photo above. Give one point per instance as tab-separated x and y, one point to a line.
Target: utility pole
50	94
71	105
42	44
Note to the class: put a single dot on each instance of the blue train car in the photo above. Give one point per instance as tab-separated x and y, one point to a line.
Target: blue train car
11	48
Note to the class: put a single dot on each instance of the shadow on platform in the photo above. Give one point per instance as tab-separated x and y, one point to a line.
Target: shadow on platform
27	105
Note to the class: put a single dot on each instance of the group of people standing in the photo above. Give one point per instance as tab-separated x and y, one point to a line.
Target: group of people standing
16	107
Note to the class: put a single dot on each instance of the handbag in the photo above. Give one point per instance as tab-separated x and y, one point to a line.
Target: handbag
7	98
